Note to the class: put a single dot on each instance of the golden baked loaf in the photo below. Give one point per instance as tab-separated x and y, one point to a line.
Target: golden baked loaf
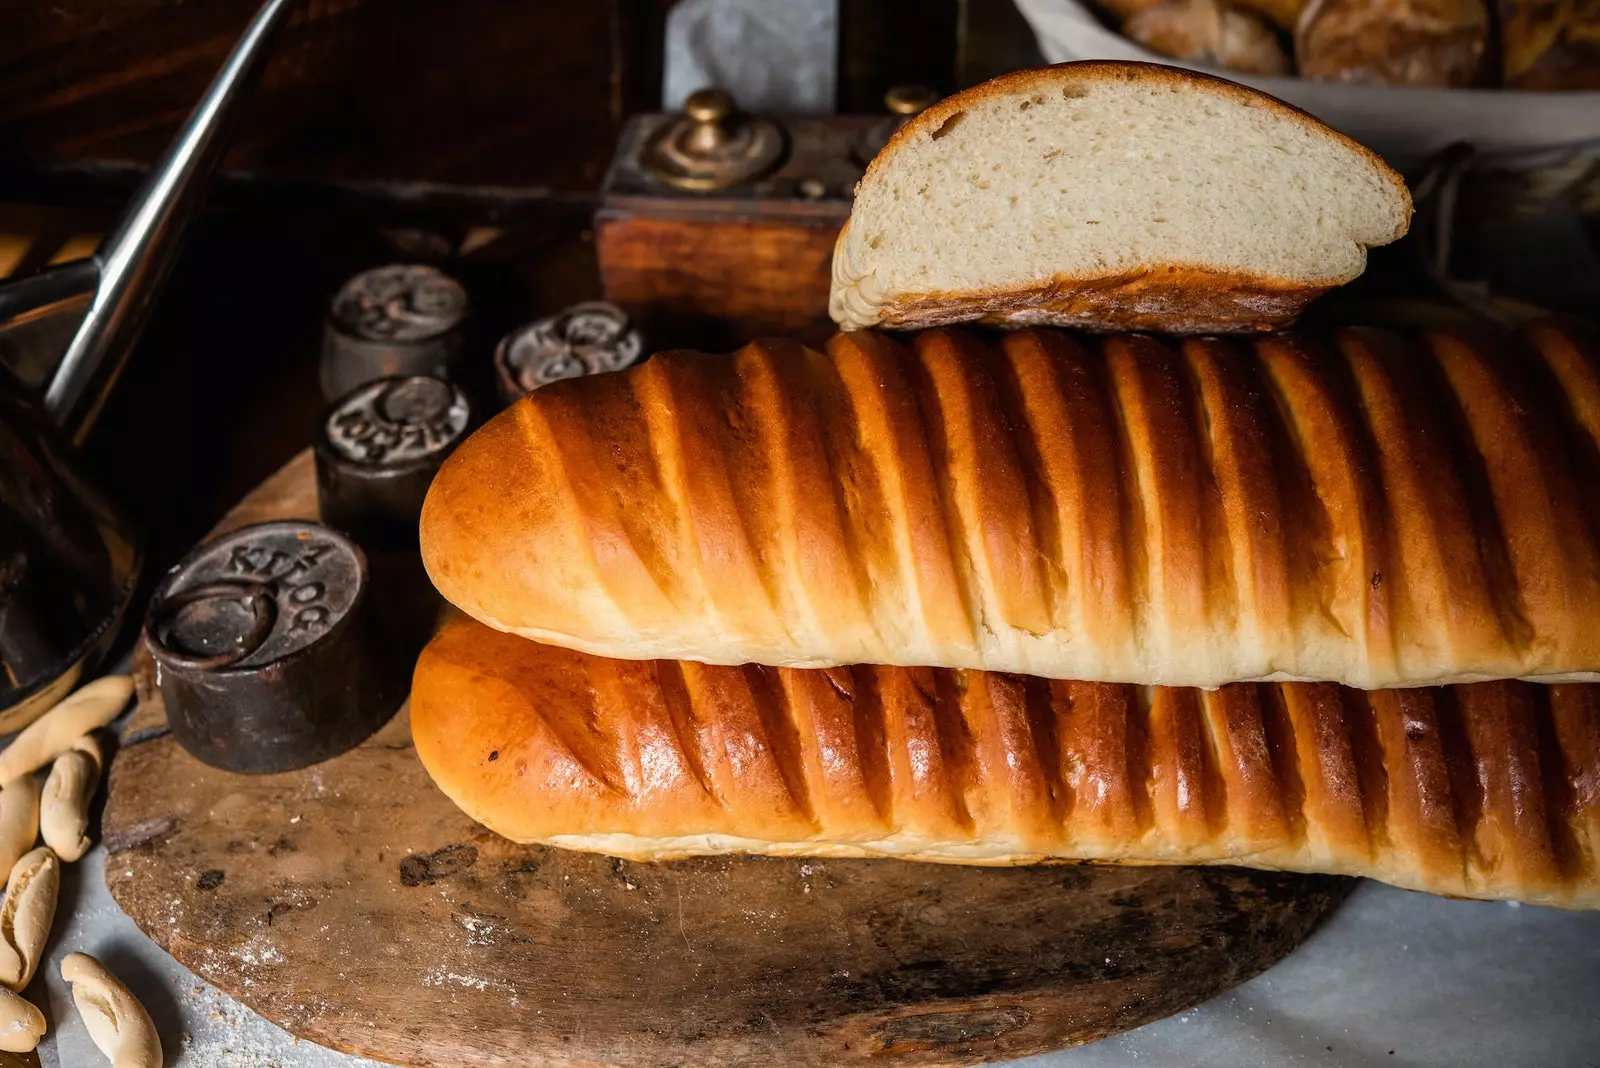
1366	510
1210	31
1123	9
1437	43
1490	790
1283	12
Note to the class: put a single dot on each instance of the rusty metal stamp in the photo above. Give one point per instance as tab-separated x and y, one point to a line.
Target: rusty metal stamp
589	338
377	450
402	319
268	653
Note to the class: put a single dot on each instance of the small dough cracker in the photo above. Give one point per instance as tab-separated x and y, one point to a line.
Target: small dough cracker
64	810
116	1020
53	733
19	820
26	915
21	1023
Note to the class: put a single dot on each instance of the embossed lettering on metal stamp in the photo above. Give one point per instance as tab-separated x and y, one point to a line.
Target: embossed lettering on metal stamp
397	420
377	451
268	654
400	302
402	319
306	577
589	338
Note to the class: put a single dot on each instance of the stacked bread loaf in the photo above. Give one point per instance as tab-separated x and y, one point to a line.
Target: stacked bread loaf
1005	598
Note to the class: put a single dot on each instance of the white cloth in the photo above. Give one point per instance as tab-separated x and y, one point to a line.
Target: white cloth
774	56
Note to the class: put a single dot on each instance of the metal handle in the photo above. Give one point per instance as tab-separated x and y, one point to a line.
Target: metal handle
135	259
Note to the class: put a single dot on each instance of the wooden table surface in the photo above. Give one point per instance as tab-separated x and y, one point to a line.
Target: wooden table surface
354	905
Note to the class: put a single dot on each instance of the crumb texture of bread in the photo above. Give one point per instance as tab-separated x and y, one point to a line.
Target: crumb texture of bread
1481	791
1073	192
1356	507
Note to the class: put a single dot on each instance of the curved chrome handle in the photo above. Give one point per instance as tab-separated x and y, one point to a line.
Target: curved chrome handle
134	259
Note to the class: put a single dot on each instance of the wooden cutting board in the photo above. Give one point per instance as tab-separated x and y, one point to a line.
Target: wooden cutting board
354	905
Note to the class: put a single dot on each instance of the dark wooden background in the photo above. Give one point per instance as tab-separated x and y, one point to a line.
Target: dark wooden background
483	95
477	93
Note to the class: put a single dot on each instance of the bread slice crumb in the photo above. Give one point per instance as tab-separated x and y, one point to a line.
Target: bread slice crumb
1112	196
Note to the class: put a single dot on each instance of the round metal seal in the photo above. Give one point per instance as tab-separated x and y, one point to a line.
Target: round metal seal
397	420
377	451
256	596
268	653
400	302
396	320
589	338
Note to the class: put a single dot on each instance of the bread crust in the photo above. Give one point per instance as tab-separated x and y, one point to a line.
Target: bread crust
1438	43
1210	32
1482	791
1171	298
1360	508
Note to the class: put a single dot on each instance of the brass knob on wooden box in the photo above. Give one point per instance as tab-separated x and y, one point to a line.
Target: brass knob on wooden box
909	100
708	109
712	146
904	103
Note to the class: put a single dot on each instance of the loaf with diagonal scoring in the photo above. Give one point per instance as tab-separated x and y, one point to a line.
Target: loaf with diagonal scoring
1485	790
1361	509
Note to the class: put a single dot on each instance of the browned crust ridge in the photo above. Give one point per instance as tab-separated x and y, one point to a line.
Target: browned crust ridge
1489	790
1360	508
1169	299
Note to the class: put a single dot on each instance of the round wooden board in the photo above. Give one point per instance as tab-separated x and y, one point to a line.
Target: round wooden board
354	905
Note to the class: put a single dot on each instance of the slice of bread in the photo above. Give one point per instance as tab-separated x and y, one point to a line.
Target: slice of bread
1110	196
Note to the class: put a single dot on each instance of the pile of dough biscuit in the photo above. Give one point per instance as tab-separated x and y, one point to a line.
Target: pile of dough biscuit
62	739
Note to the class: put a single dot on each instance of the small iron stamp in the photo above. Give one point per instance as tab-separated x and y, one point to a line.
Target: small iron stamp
268	653
378	448
402	319
589	338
